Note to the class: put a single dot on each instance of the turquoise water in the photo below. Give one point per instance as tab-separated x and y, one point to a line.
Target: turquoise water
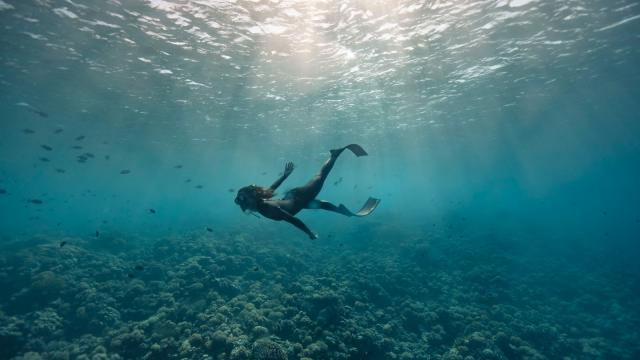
503	142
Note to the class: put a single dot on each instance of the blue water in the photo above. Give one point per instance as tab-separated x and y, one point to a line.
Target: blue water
503	142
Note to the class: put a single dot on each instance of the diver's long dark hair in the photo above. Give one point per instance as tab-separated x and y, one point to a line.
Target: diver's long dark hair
258	192
249	197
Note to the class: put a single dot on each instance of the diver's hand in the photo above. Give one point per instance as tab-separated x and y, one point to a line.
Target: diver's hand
313	236
288	168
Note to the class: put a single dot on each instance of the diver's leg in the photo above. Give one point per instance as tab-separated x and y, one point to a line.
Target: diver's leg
312	188
325	205
367	208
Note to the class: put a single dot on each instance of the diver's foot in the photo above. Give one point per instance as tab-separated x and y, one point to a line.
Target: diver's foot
336	152
344	211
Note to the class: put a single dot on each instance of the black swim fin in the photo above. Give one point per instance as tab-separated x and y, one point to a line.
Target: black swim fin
367	208
356	149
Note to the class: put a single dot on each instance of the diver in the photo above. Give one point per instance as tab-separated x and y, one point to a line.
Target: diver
259	199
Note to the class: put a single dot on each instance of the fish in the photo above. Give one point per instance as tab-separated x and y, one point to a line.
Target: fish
28	131
188	181
58	131
77	147
80	138
35	201
97	233
604	212
139	267
107	157
44	159
89	155
178	167
153	211
256	268
340	244
264	173
46	147
198	186
130	275
337	181
60	171
124	172
3	191
232	190
63	243
39	113
209	229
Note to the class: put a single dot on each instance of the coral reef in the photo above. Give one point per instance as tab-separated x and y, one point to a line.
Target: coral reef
260	297
267	350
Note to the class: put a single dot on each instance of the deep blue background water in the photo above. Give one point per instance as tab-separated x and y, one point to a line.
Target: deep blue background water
520	117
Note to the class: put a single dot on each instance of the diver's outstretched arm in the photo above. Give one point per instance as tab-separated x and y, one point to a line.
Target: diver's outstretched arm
275	212
288	169
299	224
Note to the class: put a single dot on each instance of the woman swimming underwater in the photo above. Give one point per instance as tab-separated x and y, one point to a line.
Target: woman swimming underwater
260	199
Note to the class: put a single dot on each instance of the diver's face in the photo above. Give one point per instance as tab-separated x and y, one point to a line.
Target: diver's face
245	201
241	201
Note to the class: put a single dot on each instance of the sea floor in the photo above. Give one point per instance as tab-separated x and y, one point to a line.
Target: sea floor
386	294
